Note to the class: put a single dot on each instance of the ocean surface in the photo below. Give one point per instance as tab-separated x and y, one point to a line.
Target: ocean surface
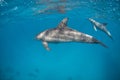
22	57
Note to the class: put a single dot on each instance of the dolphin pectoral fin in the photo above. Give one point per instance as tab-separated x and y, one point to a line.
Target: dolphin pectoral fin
45	44
95	28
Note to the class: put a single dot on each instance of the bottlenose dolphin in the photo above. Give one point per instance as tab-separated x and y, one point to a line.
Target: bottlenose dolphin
100	26
62	33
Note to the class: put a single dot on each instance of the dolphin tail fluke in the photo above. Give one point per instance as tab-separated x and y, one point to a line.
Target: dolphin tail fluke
103	44
111	37
99	42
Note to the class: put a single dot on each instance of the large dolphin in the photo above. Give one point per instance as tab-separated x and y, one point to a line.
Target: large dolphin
62	33
100	26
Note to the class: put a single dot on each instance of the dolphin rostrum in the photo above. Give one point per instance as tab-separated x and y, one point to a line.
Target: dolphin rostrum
62	33
100	26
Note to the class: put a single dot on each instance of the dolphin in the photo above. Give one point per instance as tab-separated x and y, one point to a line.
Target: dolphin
100	26
62	33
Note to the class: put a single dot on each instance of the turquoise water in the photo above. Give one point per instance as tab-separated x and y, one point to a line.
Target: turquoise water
24	58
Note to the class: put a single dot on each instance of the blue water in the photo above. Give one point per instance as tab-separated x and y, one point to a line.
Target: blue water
24	58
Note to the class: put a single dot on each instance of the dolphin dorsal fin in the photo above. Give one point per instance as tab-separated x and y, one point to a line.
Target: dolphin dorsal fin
63	23
105	24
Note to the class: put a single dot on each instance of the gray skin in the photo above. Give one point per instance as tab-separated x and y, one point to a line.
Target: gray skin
62	33
100	26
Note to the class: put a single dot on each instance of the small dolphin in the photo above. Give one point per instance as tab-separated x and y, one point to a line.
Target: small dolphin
62	33
100	26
